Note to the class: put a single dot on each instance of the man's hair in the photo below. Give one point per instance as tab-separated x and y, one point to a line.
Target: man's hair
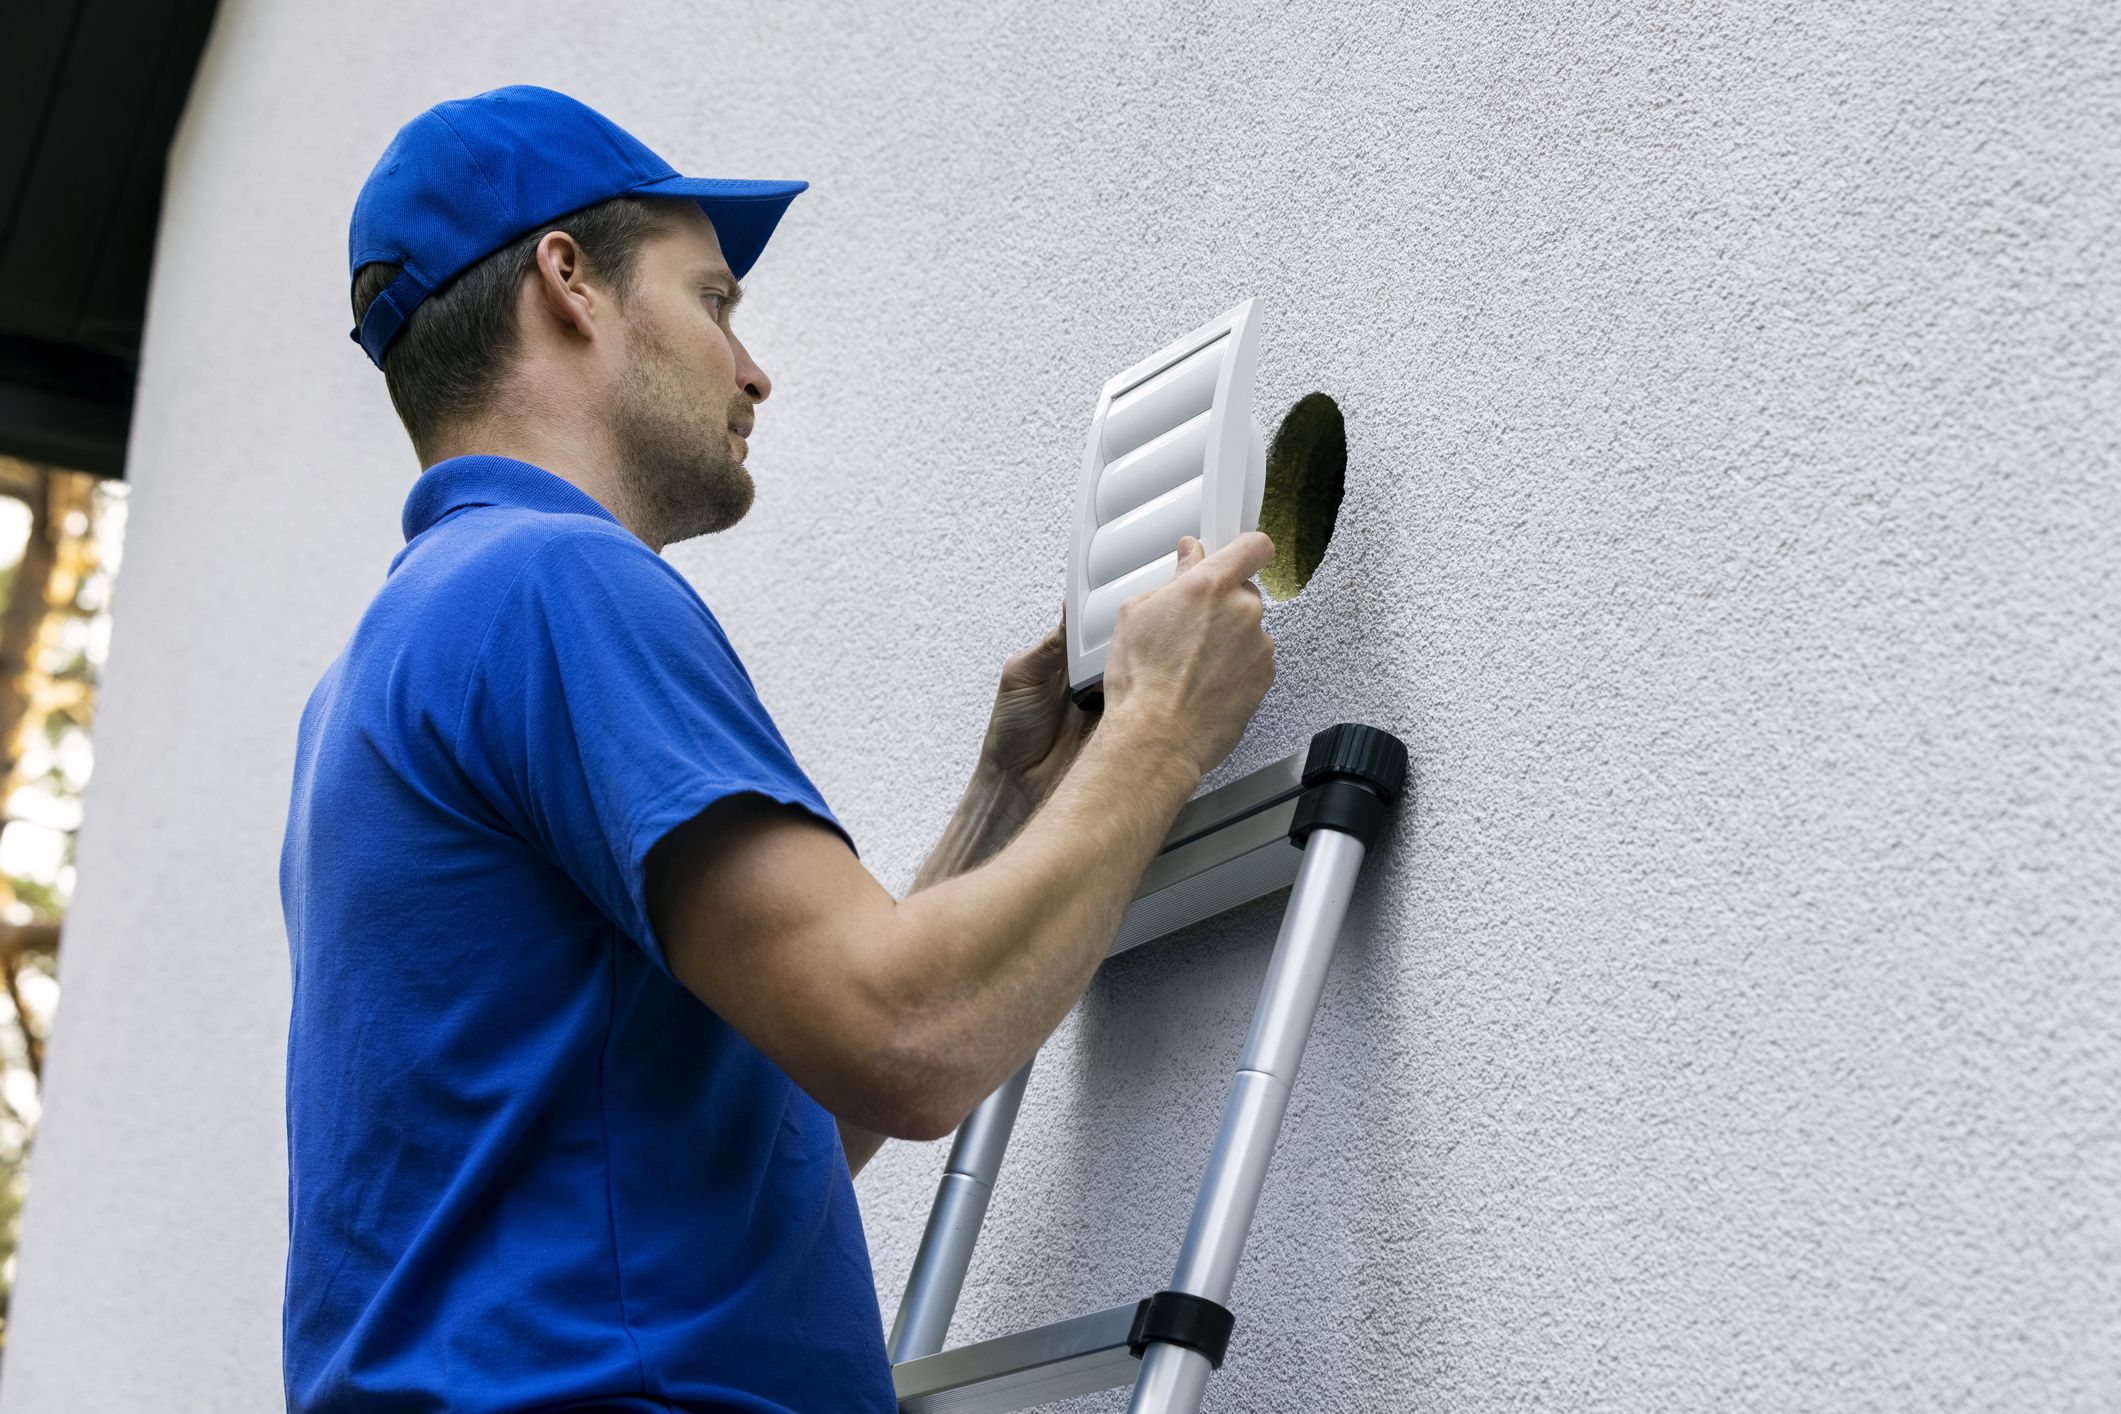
459	342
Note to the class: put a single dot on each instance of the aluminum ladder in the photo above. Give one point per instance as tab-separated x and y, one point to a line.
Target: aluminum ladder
1307	820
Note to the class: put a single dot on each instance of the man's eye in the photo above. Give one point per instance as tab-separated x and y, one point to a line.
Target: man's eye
721	302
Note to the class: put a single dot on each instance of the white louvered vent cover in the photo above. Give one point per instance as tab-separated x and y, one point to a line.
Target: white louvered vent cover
1174	450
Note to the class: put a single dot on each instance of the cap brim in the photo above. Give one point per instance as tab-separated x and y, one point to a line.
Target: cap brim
744	212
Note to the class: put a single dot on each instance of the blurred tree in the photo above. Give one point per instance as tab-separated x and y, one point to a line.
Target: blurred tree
59	544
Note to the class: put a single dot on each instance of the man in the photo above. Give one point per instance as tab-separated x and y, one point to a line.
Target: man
596	1010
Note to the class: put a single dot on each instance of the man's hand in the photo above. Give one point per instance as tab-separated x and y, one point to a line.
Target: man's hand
1036	730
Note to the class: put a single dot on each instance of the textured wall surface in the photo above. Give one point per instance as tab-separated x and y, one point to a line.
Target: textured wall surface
1733	530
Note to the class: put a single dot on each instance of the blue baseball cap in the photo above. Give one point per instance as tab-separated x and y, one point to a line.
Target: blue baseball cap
468	176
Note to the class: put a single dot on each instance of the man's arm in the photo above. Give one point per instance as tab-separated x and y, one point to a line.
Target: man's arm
900	1016
988	816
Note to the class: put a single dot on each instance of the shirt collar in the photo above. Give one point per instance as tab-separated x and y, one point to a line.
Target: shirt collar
492	481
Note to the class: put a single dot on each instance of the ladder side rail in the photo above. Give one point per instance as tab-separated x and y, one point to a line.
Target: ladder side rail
961	1197
1173	1378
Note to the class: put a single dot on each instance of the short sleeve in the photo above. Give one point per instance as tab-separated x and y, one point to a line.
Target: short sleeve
606	707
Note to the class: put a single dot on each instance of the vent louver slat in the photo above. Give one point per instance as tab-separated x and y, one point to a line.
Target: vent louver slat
1184	390
1153	468
1144	533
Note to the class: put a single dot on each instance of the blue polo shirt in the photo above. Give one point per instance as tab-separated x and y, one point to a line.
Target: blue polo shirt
527	1169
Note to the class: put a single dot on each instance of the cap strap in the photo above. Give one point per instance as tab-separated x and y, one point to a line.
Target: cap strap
387	314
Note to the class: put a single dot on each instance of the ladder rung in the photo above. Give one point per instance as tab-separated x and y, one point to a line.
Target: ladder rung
1227	847
1081	1355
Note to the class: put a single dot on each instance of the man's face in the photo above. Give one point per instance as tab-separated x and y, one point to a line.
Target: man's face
686	388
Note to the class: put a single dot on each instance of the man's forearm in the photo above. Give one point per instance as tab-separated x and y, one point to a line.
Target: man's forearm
991	958
987	817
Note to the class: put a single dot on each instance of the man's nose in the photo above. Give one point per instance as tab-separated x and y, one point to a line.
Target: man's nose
751	378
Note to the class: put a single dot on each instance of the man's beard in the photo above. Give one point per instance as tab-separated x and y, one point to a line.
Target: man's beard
677	469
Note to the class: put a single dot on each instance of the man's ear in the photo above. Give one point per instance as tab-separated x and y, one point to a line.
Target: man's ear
561	287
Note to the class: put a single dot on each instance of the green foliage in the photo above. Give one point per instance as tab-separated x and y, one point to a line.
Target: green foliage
37	894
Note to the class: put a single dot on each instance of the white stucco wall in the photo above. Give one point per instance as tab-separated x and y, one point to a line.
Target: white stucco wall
1733	530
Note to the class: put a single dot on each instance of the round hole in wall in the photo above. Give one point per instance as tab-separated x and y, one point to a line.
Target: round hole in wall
1307	466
